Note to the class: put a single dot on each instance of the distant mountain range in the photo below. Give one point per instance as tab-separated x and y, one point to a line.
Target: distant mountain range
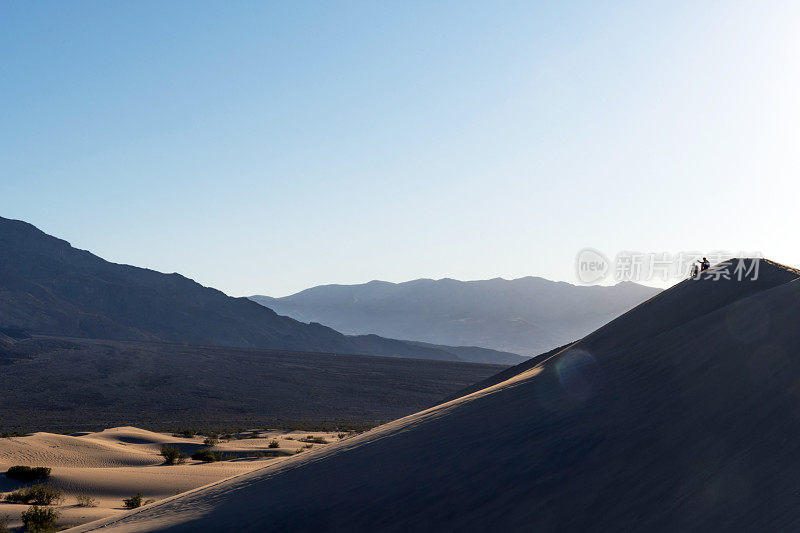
48	287
526	315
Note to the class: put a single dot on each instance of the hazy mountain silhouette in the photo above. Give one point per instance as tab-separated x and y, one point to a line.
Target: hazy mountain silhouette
48	287
526	315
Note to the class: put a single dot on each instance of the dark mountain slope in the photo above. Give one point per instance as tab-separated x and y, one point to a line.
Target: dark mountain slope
48	287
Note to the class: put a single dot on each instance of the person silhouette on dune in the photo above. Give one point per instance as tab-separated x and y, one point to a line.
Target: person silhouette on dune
698	269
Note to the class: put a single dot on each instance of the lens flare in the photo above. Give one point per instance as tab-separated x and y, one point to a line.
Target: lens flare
579	374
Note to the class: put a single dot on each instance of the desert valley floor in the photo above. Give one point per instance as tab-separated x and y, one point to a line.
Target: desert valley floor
118	463
680	415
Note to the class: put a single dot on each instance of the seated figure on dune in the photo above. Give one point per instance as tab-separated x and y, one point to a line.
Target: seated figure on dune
697	269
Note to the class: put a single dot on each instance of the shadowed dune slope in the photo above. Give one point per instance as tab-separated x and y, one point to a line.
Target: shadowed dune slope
682	415
505	374
684	302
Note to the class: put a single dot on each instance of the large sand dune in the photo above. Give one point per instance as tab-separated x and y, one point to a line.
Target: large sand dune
683	414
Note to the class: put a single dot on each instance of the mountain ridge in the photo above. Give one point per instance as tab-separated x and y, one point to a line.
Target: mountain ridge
526	315
49	287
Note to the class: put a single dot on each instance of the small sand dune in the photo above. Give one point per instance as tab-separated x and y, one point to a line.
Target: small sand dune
47	449
117	463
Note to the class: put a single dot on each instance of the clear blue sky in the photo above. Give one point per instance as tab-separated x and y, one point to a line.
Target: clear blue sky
265	148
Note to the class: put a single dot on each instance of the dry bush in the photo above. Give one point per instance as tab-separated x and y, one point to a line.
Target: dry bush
173	455
40	519
135	501
28	473
84	500
41	494
315	440
207	456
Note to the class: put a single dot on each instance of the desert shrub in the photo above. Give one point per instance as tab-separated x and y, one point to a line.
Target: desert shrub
28	473
4	523
315	440
40	519
41	494
173	455
206	456
274	444
299	450
210	441
186	433
84	500
45	494
18	496
135	501
288	438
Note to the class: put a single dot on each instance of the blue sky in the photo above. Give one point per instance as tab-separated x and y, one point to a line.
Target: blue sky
268	147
